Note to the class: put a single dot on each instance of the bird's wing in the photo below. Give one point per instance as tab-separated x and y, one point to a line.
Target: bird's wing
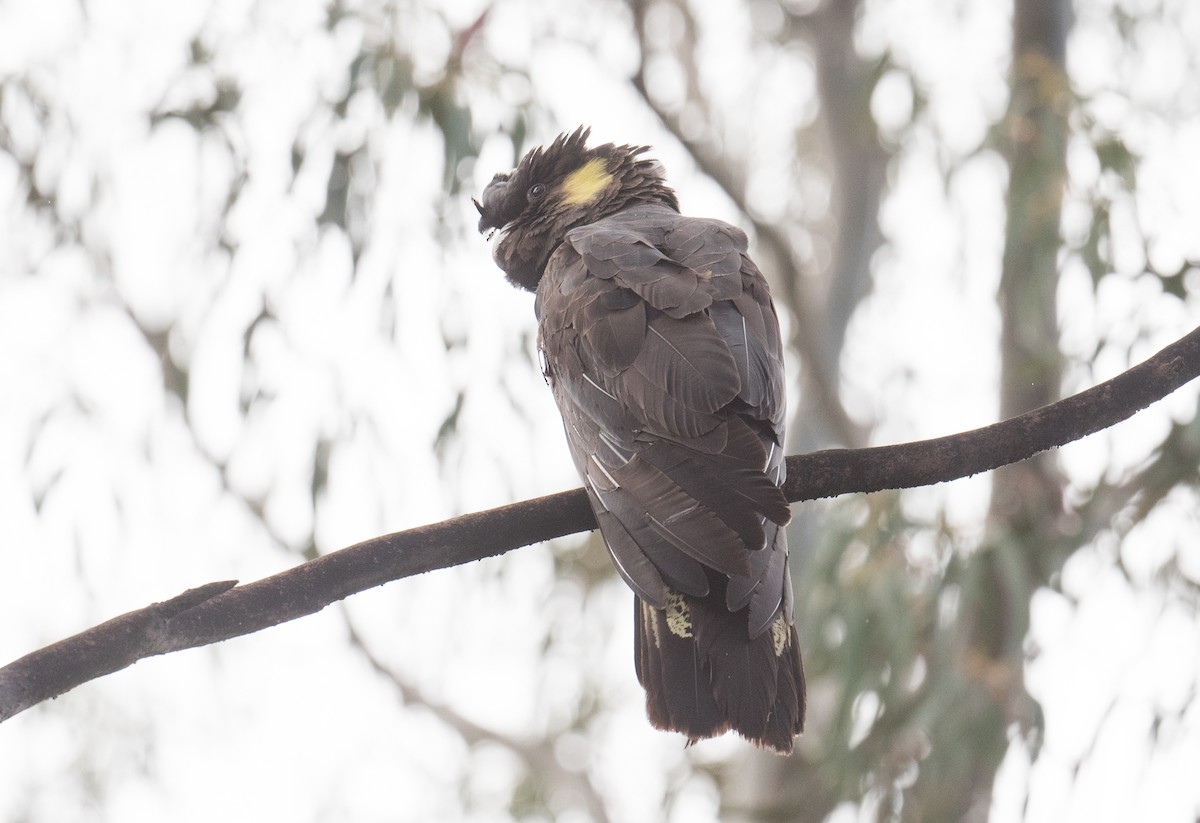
664	355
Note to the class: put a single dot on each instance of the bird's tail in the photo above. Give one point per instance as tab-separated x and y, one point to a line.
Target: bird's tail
704	675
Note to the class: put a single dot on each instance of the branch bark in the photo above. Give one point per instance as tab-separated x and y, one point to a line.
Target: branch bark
223	610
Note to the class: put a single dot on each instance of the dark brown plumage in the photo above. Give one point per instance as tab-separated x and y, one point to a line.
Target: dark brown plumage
662	349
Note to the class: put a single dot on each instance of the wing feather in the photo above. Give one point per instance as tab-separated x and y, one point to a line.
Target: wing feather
683	375
664	355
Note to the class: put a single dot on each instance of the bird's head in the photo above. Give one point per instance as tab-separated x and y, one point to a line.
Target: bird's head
558	187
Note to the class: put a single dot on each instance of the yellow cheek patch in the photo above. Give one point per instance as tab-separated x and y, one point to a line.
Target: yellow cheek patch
585	183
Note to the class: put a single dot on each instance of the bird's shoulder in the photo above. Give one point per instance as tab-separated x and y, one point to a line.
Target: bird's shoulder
665	314
677	264
674	264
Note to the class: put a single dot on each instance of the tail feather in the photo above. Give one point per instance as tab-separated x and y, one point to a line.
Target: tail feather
703	677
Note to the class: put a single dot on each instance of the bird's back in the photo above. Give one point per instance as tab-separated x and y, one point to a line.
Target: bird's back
663	351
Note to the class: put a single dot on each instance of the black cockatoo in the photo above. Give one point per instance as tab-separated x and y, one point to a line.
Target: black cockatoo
662	348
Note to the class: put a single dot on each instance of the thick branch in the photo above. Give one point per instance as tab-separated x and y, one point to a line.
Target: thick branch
219	611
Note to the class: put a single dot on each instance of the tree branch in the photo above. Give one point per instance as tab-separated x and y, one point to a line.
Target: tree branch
223	610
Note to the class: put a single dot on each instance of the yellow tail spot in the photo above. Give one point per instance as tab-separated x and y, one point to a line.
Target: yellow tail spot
679	620
780	635
585	183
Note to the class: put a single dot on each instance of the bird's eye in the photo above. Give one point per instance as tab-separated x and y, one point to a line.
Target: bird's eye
536	191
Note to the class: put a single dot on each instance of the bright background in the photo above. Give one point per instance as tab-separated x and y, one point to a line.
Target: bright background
245	320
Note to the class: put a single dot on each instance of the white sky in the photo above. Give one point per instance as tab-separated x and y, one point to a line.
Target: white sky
289	723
